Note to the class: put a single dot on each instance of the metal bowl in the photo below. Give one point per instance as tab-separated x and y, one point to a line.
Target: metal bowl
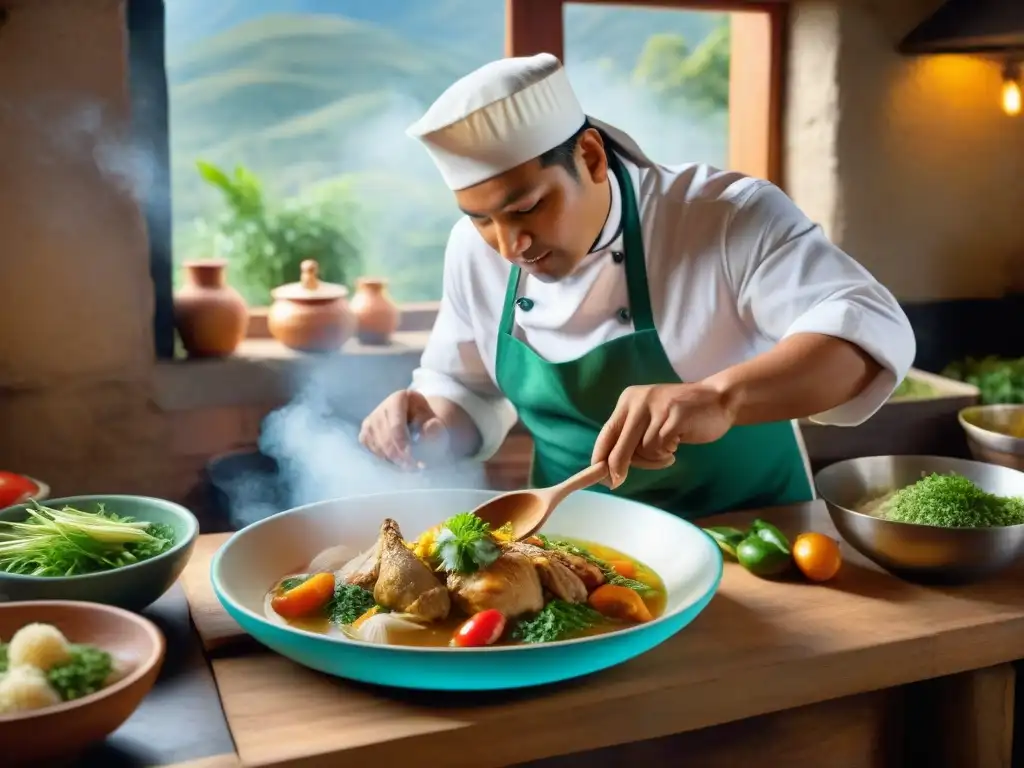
922	553
986	428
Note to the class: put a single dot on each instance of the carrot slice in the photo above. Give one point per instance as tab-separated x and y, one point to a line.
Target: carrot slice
624	568
305	599
619	603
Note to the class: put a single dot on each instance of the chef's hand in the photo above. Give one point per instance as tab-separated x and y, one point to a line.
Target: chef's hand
388	431
649	423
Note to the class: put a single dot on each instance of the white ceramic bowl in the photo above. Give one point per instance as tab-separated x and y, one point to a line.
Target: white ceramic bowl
255	558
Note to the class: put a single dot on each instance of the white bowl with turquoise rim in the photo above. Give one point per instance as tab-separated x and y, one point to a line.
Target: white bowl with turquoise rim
255	558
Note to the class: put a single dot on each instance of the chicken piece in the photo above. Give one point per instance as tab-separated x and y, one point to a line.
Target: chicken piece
362	570
587	572
404	582
555	573
510	585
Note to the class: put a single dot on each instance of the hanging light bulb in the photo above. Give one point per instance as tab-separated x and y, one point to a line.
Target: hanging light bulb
1012	101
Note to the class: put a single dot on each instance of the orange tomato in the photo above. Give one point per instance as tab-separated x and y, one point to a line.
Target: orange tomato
305	599
817	556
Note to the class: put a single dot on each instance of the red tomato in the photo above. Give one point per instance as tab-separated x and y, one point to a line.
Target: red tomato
15	489
482	629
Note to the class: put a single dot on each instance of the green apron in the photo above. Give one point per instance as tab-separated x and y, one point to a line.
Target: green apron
565	405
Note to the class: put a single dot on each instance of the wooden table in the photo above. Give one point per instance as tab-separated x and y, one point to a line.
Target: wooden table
851	673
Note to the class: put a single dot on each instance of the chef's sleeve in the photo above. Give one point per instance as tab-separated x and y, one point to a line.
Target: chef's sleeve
791	279
452	366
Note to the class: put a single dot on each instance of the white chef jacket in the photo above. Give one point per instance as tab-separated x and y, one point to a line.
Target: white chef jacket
733	267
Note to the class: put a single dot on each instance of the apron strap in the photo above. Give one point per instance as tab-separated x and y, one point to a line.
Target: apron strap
508	311
636	265
632	235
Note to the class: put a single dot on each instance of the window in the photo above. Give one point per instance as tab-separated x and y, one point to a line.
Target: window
312	97
755	67
659	74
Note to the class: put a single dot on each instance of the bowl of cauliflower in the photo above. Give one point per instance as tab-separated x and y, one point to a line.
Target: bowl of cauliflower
70	674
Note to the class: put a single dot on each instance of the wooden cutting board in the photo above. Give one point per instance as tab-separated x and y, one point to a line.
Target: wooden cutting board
216	629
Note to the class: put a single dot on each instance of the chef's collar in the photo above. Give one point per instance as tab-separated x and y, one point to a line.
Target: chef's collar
613	224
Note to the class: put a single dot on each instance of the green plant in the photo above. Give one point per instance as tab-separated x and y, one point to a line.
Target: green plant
680	76
265	244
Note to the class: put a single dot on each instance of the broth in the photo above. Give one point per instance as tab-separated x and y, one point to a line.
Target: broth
439	634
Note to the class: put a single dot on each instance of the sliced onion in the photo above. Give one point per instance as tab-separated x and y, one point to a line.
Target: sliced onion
378	628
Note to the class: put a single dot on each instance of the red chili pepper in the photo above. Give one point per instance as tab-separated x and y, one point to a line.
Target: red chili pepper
482	629
15	489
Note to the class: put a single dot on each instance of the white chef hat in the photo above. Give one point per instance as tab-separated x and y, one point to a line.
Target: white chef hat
500	116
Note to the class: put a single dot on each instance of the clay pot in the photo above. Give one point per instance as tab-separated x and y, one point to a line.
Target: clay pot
311	316
376	314
210	315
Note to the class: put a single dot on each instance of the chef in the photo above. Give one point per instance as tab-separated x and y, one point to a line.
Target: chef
673	321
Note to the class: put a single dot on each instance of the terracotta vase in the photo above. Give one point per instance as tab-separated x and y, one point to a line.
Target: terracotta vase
311	316
210	315
376	313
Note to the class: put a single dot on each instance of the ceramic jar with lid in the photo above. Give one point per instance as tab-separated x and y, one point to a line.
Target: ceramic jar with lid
310	315
210	315
376	313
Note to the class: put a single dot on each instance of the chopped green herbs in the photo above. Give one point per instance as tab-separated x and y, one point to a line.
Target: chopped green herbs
951	501
69	542
558	620
349	603
85	672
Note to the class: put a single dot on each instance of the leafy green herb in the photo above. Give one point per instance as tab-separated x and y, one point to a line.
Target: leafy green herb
349	603
291	583
464	544
951	501
611	576
558	620
85	672
69	542
1000	380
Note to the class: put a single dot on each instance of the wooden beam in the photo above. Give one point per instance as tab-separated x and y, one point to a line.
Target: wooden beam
756	72
534	26
726	6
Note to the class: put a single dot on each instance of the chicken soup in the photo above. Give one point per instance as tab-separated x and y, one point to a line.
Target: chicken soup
461	584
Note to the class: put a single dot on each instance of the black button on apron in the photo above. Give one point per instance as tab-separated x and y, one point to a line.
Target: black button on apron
618	257
524	303
624	315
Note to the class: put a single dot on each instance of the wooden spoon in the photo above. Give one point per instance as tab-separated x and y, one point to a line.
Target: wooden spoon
529	510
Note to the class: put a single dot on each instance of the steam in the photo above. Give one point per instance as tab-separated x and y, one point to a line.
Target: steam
314	440
73	132
666	136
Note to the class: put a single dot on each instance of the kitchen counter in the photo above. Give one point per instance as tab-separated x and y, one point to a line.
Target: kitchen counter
181	719
851	673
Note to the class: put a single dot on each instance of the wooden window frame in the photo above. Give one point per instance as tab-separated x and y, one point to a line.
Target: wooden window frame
756	70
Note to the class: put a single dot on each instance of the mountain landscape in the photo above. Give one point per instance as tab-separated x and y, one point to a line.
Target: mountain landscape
315	96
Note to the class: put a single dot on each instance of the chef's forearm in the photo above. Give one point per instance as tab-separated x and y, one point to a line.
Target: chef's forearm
803	375
463	435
